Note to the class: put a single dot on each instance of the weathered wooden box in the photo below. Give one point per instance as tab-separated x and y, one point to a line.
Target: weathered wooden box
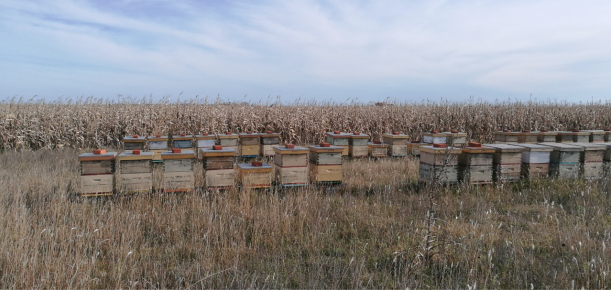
447	175
204	141
178	170
97	185
340	139
136	171
564	160
97	170
255	174
134	142
439	163
325	163
535	160
269	140
397	144
607	152
573	136
358	145
607	135
507	136
220	179
455	138
97	167
249	144
182	141
218	163
378	149
291	165
157	145
597	136
527	136
591	159
507	161
414	147
476	164
545	136
435	137
229	140
136	183
292	176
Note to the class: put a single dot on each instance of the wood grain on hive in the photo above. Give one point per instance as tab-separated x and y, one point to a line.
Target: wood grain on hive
358	145
397	144
439	163
476	164
597	136
135	171
528	136
325	163
414	147
607	135
377	149
134	142
545	136
573	136
340	139
178	170
97	173
535	160
507	161
269	140
157	145
591	159
291	164
564	160
249	144
455	138
506	136
204	141
182	141
219	170
435	137
255	174
229	140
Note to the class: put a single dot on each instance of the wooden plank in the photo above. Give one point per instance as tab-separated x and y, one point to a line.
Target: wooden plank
291	175
205	143
249	150
359	151
135	166
398	150
469	159
133	145
178	165
565	171
178	181
255	179
97	184
439	159
476	174
395	141
210	164
325	173
270	141
443	174
267	150
225	142
182	144
592	170
289	160
220	178
325	158
378	152
338	141
249	141
97	167
133	183
158	145
507	158
534	170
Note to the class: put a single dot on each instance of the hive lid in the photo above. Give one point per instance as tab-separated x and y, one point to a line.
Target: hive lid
503	148
269	134
248	135
90	156
134	138
338	134
224	151
182	137
227	136
330	149
561	146
589	146
129	155
205	137
249	166
295	150
395	136
440	150
184	154
534	147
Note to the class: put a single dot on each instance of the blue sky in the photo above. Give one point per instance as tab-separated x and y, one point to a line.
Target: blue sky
313	50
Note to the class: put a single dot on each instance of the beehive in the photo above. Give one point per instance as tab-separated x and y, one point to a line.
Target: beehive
414	147
528	136
455	138
218	163
291	164
178	170
545	136
134	142
325	163
506	162
249	144
573	136
607	135
591	159
439	163
535	160
597	136
255	174
182	141
136	171
157	145
507	136
564	161
397	144
434	137
269	140
204	141
97	170
476	164
378	149
358	145
340	139
606	162
229	140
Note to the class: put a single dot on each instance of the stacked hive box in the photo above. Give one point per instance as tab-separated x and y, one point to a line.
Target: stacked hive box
606	162
439	163
455	138
182	141
545	136
255	175
326	163
597	136
218	162
535	161
134	142
269	140
136	171
358	146
607	135
507	136
414	147
291	164
435	137
476	164
97	170
157	145
573	136
340	139
229	140
204	141
506	162
249	144
591	159
397	144
178	170
564	161
378	149
527	136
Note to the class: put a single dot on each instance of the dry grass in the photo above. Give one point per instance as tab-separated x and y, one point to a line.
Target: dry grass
370	233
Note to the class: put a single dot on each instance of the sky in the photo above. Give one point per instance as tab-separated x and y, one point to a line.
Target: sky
340	50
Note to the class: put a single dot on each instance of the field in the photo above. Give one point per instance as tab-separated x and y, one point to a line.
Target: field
378	230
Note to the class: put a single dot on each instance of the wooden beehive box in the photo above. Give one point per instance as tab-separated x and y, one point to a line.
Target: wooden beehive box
573	136
255	174
476	164
597	136
204	141
528	136
269	140
325	163
591	159
291	164
535	160
134	142
249	144
358	145
434	137
414	147
378	149
545	136
182	141
455	138
136	171
439	163
507	136
564	161
97	170
157	145
507	161
218	163
607	152
607	135
229	140
397	144
178	170
340	139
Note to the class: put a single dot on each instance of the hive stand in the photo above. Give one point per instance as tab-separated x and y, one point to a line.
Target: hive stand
255	174
377	149
182	141
358	145
219	170
397	144
291	164
134	142
204	141
535	161
564	161
340	139
439	163
97	170
269	140
229	140
545	136
157	145
178	170
573	136
325	164
506	162
136	171
476	164
591	159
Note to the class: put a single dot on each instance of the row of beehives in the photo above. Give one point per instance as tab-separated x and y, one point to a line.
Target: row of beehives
484	164
293	166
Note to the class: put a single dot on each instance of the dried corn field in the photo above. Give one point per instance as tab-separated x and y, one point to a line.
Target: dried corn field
90	122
